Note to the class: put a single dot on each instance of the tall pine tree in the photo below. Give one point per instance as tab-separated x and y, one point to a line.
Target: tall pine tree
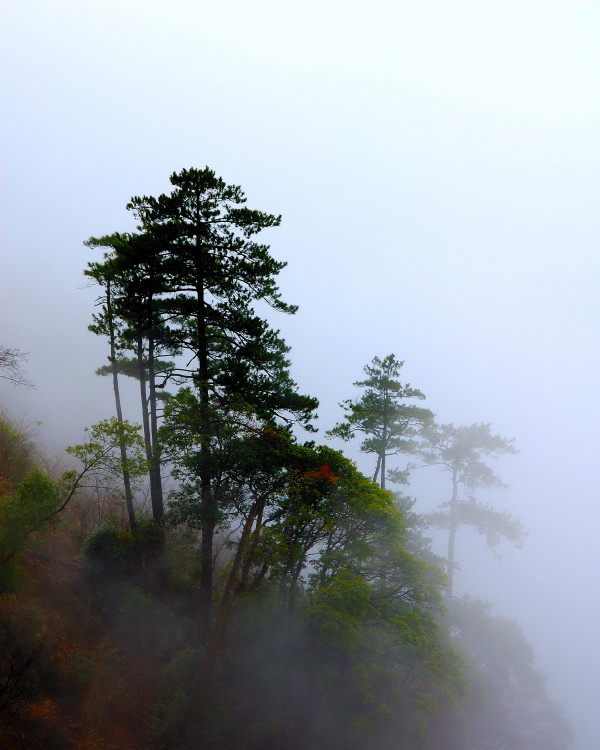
214	274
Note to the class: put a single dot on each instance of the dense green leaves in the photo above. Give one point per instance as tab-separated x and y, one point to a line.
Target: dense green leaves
340	607
35	500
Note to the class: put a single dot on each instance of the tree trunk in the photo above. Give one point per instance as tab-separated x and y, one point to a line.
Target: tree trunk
453	527
250	556
225	613
384	444
145	419
376	474
384	440
208	501
158	508
115	377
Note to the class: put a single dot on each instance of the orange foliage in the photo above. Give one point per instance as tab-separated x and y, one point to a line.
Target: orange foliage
91	742
323	473
44	710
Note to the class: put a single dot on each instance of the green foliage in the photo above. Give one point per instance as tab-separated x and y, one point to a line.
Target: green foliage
37	500
17	454
189	283
131	318
133	277
323	629
107	549
36	497
148	540
130	367
212	273
34	503
338	638
101	458
340	607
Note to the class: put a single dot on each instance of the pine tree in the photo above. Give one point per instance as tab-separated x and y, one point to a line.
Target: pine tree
213	274
390	425
461	451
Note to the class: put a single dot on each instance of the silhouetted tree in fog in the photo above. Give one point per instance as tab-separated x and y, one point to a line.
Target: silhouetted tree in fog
460	451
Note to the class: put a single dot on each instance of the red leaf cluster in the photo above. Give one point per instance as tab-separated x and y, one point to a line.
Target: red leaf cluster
323	473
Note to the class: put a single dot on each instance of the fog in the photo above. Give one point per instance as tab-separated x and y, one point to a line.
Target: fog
437	169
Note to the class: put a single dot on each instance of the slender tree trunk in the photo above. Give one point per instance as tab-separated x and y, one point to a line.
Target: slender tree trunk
208	501
250	556
225	613
376	474
232	589
292	597
115	377
453	527
158	508
384	442
145	419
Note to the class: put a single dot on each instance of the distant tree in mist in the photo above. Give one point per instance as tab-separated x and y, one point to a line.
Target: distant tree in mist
506	706
390	424
461	452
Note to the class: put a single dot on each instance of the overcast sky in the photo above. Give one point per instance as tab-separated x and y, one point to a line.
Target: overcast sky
437	166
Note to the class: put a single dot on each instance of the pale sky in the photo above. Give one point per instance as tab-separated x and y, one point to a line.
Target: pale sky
437	166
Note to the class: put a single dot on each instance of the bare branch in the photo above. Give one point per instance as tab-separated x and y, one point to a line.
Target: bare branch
10	366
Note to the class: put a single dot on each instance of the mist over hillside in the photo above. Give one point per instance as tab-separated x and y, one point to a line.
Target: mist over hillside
436	172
